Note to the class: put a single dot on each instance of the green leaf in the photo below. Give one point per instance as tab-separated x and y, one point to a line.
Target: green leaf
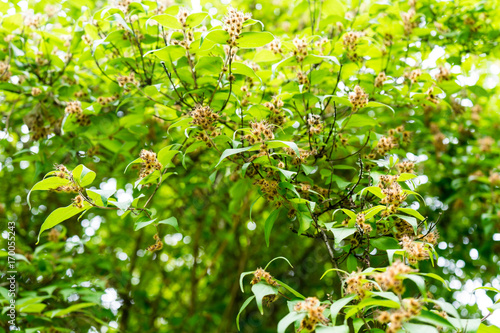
83	175
411	220
378	104
488	288
136	161
466	325
195	19
391	253
419	328
369	213
166	155
168	21
377	191
209	65
360	120
437	277
494	307
217	36
488	329
260	290
370	302
33	308
254	39
277	143
433	319
269	224
341	233
309	169
171	221
245	304
73	308
339	305
169	53
242	275
352	263
412	212
141	223
50	183
104	195
241	68
334	329
282	258
405	176
290	289
59	215
419	281
228	152
387	294
118	18
384	243
288	174
332	270
289	319
349	213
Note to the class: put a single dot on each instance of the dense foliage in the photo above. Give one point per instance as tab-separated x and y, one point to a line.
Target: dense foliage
317	165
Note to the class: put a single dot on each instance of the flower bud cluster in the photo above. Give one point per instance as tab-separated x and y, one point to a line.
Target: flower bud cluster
380	79
5	72
395	194
35	123
302	78
35	91
385	144
33	21
438	141
106	100
411	308
476	112
277	116
233	24
390	279
361	222
357	284
300	51
78	201
485	144
87	40
275	46
182	16
320	45
413	75
149	163
314	310
405	167
269	188
123	80
315	123
350	41
261	131
40	58
443	75
75	108
204	117
358	98
260	275
302	157
408	21
158	245
415	251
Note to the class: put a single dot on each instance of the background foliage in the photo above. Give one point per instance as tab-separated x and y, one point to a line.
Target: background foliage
94	83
